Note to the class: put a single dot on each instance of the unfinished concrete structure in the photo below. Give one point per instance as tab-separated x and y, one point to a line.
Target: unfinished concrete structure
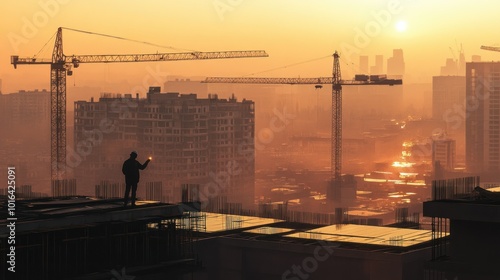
91	238
209	142
471	215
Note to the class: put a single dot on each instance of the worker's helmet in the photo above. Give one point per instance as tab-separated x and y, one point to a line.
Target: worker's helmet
133	153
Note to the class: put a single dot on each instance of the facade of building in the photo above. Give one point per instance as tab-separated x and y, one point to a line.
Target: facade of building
471	217
25	108
483	118
444	151
448	98
209	142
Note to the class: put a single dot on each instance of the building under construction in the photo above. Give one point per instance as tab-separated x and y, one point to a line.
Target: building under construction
89	238
207	141
466	226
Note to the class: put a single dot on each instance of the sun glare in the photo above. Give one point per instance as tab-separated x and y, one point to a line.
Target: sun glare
401	26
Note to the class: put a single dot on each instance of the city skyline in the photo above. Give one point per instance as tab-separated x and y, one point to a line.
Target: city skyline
309	139
297	32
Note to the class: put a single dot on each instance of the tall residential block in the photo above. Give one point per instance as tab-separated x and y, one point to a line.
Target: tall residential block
483	119
448	98
25	109
207	141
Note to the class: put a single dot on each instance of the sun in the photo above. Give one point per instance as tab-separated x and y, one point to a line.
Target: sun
401	26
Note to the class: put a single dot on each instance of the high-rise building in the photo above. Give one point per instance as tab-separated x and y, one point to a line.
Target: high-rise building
396	63
465	229
25	108
363	64
483	119
450	68
208	141
443	151
378	68
448	99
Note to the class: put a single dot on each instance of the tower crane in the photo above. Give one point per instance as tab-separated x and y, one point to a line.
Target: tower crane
488	48
61	65
336	81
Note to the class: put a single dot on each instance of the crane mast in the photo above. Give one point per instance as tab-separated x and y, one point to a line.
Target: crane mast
336	125
61	65
58	109
336	149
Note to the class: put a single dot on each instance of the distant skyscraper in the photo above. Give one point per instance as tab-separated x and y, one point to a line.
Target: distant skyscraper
378	68
396	63
483	118
207	141
0	86
363	64
450	69
444	151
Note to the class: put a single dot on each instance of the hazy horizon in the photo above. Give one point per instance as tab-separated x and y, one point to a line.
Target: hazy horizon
291	32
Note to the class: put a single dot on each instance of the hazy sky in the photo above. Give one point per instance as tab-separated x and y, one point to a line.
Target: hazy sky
289	30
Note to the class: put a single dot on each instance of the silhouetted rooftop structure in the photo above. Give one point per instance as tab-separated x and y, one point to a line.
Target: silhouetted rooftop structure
60	238
471	215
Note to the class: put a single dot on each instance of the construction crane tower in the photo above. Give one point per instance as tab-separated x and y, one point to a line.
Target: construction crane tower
336	125
61	65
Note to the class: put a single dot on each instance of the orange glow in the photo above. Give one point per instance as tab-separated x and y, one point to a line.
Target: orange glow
417	27
403	164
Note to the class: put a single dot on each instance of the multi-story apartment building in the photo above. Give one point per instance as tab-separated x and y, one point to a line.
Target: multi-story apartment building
483	119
208	142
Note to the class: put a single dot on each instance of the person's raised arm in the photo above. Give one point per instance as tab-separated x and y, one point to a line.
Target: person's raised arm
143	166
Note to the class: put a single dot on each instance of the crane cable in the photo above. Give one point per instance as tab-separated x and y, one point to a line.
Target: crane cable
126	39
45	45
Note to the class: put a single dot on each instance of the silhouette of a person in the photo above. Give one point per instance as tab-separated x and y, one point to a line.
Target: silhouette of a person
131	171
